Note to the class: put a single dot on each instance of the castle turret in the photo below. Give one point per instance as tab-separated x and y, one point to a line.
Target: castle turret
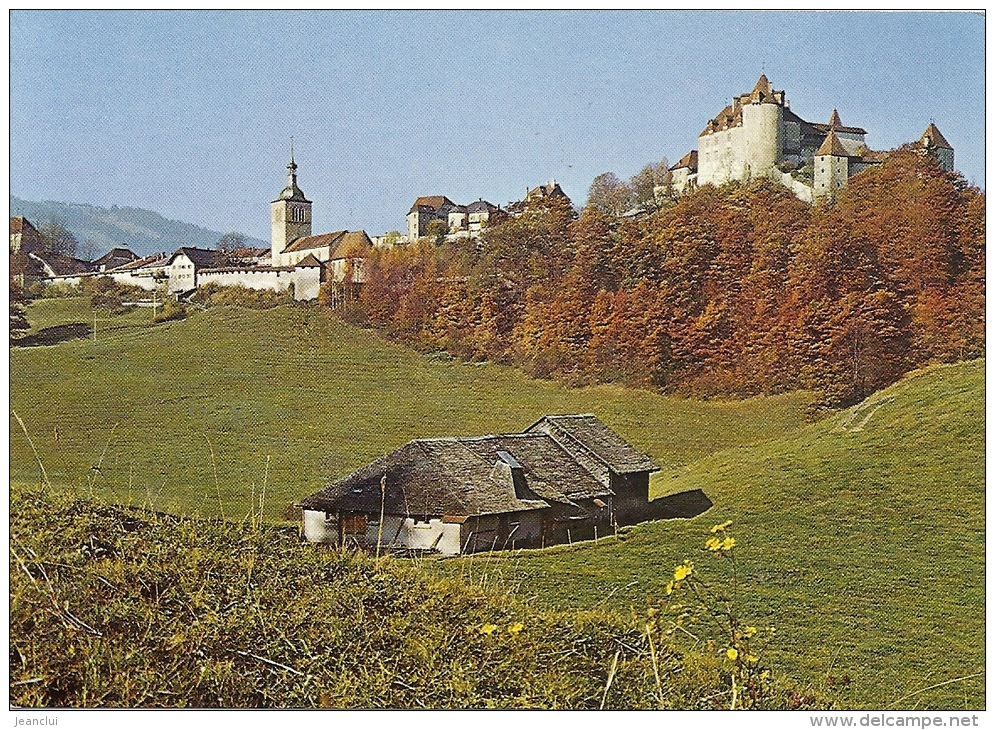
763	129
290	214
832	166
933	143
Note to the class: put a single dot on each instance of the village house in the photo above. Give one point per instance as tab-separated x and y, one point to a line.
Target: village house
24	237
563	479
758	135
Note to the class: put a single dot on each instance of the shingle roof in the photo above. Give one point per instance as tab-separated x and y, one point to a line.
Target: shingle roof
309	262
430	203
585	436
557	461
831	145
309	243
690	161
340	244
116	257
424	477
199	256
932	134
481	206
157	259
61	265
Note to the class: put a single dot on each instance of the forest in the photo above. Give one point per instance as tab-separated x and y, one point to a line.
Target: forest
727	292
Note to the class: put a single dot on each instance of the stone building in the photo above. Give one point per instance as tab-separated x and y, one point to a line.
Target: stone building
758	135
426	209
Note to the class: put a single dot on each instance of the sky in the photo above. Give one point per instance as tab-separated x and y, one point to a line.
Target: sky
191	113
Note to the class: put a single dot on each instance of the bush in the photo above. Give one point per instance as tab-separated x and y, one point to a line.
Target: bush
212	294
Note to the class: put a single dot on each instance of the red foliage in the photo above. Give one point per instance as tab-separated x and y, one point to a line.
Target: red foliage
735	291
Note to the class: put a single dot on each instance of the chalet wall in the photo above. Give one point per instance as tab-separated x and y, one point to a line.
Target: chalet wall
318	529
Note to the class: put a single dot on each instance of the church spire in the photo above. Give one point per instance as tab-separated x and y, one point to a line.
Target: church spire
292	191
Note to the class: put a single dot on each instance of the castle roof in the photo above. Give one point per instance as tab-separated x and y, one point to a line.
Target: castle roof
352	244
430	203
832	146
480	206
690	161
932	138
762	91
834	120
309	262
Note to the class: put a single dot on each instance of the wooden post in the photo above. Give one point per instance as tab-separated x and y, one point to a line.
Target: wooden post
383	497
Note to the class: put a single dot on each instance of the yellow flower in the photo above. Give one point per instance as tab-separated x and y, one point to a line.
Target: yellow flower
683	571
728	543
722	527
488	629
749	631
713	544
750	659
732	653
515	628
670	588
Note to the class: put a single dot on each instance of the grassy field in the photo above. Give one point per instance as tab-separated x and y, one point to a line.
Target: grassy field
231	401
861	539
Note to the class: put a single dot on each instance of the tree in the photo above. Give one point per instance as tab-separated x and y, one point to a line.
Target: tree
227	246
436	229
610	195
646	182
18	313
57	239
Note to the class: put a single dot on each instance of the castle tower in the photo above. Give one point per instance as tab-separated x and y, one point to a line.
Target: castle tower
290	214
932	142
832	166
763	129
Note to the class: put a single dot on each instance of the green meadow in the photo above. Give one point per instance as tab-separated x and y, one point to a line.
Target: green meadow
208	414
860	538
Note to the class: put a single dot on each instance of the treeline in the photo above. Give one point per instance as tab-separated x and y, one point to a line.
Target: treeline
729	292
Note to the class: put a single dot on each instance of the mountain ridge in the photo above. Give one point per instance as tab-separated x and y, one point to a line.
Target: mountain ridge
142	230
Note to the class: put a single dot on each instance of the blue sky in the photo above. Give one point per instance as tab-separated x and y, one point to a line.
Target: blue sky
190	114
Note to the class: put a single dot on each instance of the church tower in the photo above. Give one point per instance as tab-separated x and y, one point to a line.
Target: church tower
290	214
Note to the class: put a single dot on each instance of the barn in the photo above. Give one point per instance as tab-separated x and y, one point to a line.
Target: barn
564	478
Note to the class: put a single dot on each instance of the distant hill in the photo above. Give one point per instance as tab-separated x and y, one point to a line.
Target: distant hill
143	231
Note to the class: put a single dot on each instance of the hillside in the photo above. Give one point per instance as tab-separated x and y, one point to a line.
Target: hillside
198	416
143	231
860	538
118	607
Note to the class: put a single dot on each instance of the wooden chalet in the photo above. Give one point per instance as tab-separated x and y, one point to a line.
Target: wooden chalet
563	479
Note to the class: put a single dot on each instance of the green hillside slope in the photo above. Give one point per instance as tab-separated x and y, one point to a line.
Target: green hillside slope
123	607
232	401
861	539
143	231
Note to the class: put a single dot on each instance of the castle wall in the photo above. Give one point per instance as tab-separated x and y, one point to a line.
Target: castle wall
307	282
799	189
272	279
763	138
720	157
830	174
146	280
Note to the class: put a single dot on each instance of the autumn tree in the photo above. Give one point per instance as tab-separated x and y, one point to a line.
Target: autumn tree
57	239
609	195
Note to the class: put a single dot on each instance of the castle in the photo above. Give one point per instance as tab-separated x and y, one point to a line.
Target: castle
757	135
